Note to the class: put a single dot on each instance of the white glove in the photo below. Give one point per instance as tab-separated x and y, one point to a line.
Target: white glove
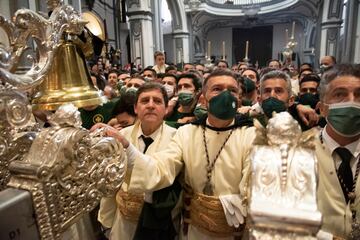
322	235
234	210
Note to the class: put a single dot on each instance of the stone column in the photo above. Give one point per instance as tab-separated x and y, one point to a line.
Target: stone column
356	46
141	31
330	28
158	33
181	43
351	22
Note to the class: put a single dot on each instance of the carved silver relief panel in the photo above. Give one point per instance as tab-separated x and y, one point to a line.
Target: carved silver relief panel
283	182
68	170
17	130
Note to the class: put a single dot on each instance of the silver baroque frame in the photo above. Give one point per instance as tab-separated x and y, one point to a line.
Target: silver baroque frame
66	168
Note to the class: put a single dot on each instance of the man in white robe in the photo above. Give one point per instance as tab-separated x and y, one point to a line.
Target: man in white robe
121	214
213	154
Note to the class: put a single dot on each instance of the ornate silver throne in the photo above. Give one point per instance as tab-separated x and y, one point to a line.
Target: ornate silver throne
50	177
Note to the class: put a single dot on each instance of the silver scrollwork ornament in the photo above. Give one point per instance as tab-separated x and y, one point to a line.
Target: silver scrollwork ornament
73	168
17	130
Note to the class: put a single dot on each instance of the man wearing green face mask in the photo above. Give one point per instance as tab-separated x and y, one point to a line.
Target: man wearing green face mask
275	93
251	83
337	149
308	94
188	93
213	153
276	96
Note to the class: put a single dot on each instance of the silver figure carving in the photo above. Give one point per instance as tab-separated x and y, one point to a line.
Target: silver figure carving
283	182
67	171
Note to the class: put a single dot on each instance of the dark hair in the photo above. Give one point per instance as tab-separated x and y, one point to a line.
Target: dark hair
171	75
171	67
188	64
255	71
150	86
337	71
223	61
124	104
150	69
273	60
221	72
308	64
310	78
305	69
160	75
195	79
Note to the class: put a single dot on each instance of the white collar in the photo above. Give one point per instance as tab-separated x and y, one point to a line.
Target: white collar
153	135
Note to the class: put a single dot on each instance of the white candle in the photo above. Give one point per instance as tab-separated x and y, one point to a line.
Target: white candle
209	49
286	36
293	31
247	49
80	6
223	49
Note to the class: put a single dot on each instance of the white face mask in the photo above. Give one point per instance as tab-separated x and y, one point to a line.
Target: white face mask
148	79
169	90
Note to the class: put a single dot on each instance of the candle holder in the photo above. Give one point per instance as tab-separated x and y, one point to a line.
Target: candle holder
246	59
290	46
208	62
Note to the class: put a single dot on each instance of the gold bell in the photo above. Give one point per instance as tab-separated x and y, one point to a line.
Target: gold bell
68	81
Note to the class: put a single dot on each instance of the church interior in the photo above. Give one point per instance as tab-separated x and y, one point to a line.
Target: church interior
73	133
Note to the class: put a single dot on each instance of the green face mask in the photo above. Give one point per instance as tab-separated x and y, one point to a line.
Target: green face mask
185	98
130	92
249	85
271	105
223	106
344	118
309	99
200	112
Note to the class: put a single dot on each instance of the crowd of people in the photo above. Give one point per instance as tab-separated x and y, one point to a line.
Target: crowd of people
188	133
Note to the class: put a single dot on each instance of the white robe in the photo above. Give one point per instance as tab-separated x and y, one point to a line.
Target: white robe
186	150
109	214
